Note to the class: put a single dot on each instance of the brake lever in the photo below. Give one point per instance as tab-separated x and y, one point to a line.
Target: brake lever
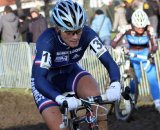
64	111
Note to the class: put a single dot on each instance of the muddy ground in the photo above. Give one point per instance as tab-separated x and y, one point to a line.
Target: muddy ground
18	112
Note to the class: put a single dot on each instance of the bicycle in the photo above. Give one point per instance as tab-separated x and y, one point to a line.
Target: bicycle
127	103
129	78
87	121
122	108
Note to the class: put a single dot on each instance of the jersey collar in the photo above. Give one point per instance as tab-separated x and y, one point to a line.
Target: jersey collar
61	41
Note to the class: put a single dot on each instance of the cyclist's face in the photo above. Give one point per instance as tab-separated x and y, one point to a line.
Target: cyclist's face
71	38
139	30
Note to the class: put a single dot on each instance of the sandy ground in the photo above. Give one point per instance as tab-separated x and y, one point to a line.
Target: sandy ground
18	112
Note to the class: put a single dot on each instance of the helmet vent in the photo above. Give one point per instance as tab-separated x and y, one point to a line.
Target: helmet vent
68	23
80	20
68	15
72	14
62	8
76	7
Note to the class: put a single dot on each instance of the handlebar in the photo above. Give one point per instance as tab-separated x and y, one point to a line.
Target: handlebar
148	59
97	99
88	101
130	54
81	102
140	56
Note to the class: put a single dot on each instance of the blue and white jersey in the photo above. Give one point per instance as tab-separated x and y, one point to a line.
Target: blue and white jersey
136	40
53	53
133	38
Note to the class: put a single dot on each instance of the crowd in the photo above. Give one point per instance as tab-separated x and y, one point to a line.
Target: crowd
123	11
27	27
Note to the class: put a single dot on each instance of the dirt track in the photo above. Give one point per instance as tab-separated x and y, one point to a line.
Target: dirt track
18	112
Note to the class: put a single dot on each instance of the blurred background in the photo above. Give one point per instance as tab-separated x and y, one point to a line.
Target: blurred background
22	6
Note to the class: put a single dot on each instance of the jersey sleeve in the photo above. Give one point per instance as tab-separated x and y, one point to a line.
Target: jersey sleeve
41	68
105	58
121	32
152	36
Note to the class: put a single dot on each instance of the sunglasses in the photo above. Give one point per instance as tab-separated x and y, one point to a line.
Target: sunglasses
78	32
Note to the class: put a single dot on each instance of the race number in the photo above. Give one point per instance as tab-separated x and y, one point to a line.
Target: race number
46	60
98	47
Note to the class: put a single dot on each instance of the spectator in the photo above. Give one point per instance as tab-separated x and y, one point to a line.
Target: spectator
101	24
119	15
9	26
110	10
24	28
37	25
151	7
129	10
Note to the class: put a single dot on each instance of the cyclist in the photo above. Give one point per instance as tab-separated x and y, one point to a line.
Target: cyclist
139	35
56	70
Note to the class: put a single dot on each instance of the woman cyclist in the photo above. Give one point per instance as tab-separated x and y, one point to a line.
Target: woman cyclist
139	35
56	70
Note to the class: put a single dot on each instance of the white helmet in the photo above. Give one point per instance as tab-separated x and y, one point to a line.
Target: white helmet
140	19
68	15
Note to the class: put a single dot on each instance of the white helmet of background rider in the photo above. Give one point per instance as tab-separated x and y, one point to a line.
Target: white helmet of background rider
140	19
68	15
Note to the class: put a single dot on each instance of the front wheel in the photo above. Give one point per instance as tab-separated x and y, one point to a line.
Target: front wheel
123	109
125	106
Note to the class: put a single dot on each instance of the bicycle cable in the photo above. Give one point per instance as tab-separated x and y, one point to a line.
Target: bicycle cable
97	106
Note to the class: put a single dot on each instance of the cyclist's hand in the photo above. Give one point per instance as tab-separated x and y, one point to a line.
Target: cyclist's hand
73	102
113	93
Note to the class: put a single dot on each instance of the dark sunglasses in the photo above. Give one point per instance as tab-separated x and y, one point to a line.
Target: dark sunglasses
79	31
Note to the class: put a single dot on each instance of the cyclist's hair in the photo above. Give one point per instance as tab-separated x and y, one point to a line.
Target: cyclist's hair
140	19
68	15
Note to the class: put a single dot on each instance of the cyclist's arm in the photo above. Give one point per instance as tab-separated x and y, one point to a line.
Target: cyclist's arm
151	34
43	85
119	35
106	59
42	64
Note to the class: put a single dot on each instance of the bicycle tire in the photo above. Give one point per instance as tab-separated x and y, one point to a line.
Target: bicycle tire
122	111
124	108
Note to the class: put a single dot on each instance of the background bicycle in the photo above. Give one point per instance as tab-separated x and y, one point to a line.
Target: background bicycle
129	78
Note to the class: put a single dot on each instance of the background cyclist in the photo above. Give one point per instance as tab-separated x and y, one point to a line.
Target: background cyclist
55	69
139	35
